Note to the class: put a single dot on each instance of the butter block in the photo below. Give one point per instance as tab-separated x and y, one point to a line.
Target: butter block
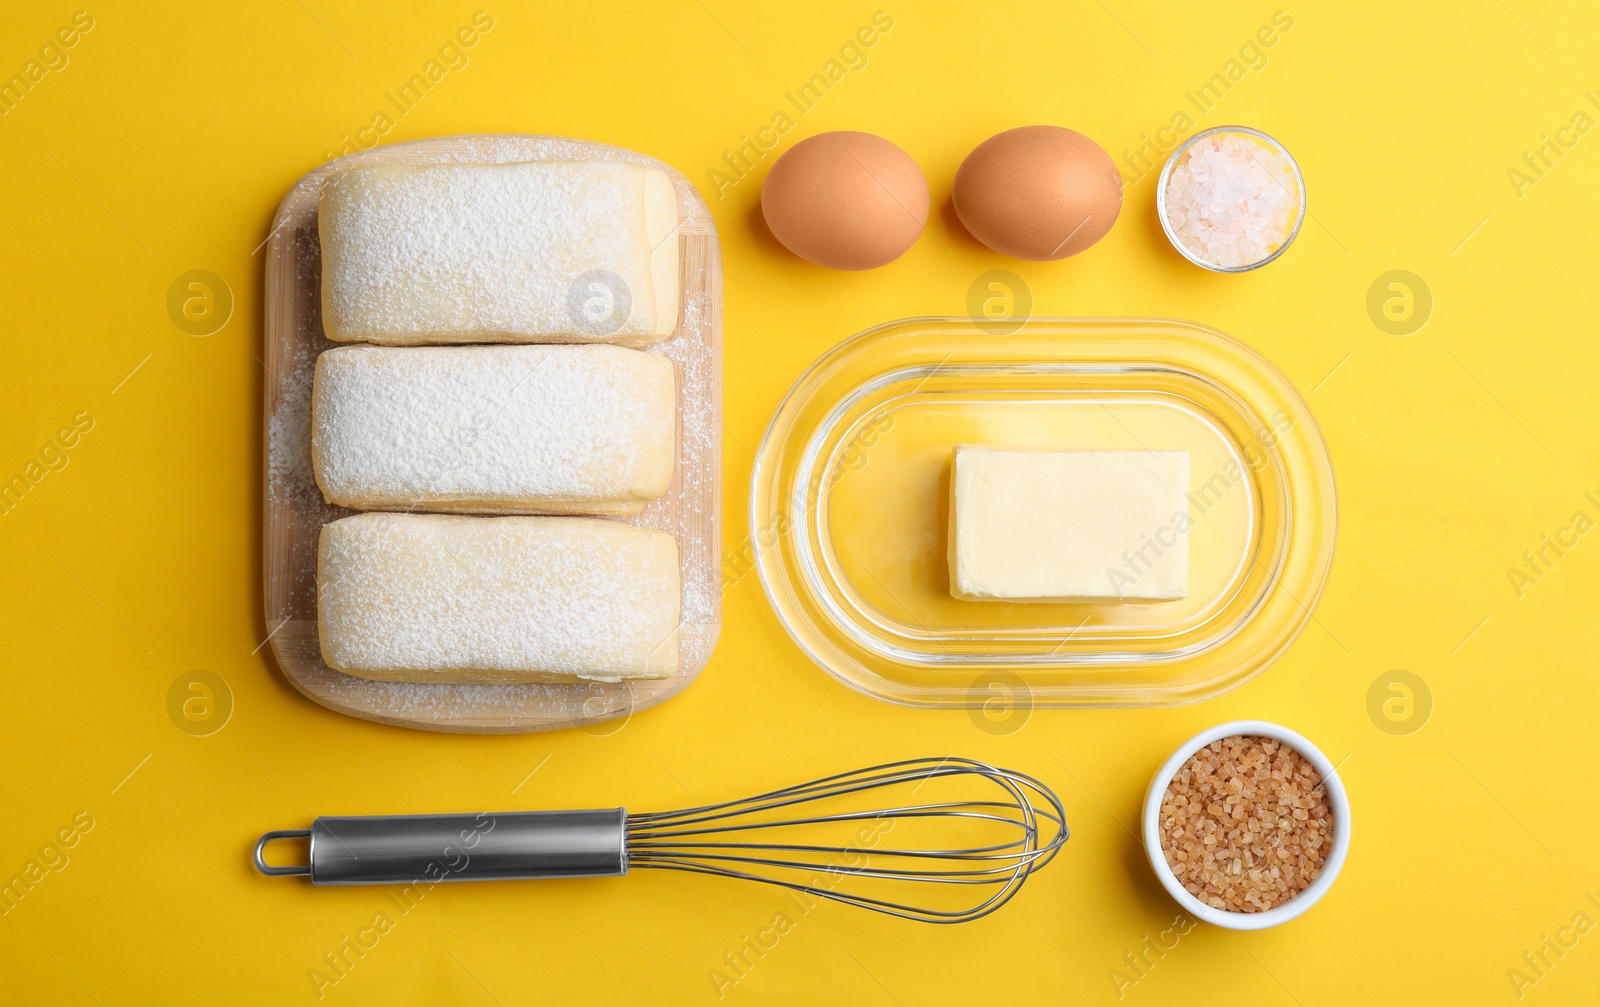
1069	526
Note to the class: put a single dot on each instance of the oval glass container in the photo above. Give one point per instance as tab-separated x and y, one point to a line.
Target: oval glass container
849	509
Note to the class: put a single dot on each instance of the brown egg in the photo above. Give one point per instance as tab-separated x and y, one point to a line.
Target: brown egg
846	200
1038	192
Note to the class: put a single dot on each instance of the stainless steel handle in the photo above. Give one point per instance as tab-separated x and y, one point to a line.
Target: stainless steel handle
402	849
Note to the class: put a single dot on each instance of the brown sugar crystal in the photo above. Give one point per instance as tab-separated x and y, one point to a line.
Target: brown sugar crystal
1245	824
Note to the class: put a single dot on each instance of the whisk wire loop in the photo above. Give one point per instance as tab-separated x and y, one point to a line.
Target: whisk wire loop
1029	816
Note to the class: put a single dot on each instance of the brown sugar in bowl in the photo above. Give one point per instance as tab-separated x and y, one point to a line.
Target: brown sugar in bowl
1255	820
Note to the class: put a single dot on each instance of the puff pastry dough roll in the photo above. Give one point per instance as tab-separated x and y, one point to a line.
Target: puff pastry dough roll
533	252
441	598
493	429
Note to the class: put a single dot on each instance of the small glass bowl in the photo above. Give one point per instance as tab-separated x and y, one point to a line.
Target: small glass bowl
1181	153
1337	799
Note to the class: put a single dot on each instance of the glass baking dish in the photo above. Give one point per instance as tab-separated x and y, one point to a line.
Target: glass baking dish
850	506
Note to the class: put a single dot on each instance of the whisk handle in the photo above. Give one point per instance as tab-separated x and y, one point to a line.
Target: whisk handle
427	849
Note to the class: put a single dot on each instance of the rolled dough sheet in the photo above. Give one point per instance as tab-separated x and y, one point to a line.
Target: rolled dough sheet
443	598
494	429
534	252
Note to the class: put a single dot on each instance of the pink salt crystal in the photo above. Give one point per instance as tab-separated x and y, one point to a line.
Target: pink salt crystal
1233	200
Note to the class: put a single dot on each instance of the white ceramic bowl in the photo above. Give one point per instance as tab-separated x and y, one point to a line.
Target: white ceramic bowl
1337	799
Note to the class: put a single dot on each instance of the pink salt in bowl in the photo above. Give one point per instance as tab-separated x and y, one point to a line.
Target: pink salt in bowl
1208	214
1338	803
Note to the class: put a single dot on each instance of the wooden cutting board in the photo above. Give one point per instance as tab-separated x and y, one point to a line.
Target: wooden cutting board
295	511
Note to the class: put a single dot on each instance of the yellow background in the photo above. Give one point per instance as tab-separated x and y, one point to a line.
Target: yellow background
165	145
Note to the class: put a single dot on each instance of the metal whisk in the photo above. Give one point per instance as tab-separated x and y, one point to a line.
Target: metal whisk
978	844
